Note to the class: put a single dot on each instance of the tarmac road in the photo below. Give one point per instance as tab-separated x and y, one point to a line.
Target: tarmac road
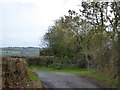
64	80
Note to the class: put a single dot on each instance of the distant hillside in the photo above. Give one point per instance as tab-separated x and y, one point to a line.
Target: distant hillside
20	51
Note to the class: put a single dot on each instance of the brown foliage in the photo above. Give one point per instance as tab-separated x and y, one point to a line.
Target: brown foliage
14	72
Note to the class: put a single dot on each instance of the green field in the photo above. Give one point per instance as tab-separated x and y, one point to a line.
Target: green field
19	51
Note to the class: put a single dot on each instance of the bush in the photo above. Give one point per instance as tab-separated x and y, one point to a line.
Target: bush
81	63
41	60
14	72
51	61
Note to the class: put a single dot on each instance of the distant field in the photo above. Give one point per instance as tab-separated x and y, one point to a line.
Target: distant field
9	53
19	51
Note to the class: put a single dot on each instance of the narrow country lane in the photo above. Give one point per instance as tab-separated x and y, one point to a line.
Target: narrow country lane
64	80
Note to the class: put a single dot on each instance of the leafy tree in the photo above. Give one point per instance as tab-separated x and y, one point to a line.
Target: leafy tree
92	35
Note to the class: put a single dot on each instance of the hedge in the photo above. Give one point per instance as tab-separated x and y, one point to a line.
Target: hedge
41	60
51	61
14	72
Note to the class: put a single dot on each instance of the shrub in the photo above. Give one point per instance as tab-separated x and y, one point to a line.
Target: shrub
41	60
81	63
51	61
14	72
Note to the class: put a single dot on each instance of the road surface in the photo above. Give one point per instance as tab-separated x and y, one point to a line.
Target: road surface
64	80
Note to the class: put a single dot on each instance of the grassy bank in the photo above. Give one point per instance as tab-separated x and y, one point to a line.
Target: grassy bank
105	80
34	79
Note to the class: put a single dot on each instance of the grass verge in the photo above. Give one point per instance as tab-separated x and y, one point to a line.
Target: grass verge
34	80
106	80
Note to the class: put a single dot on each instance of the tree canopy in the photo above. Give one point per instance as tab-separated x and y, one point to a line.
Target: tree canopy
91	35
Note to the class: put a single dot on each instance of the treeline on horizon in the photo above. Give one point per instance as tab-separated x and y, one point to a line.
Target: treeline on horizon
90	36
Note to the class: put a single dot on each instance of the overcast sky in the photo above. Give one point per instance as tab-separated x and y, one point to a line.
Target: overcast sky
24	22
